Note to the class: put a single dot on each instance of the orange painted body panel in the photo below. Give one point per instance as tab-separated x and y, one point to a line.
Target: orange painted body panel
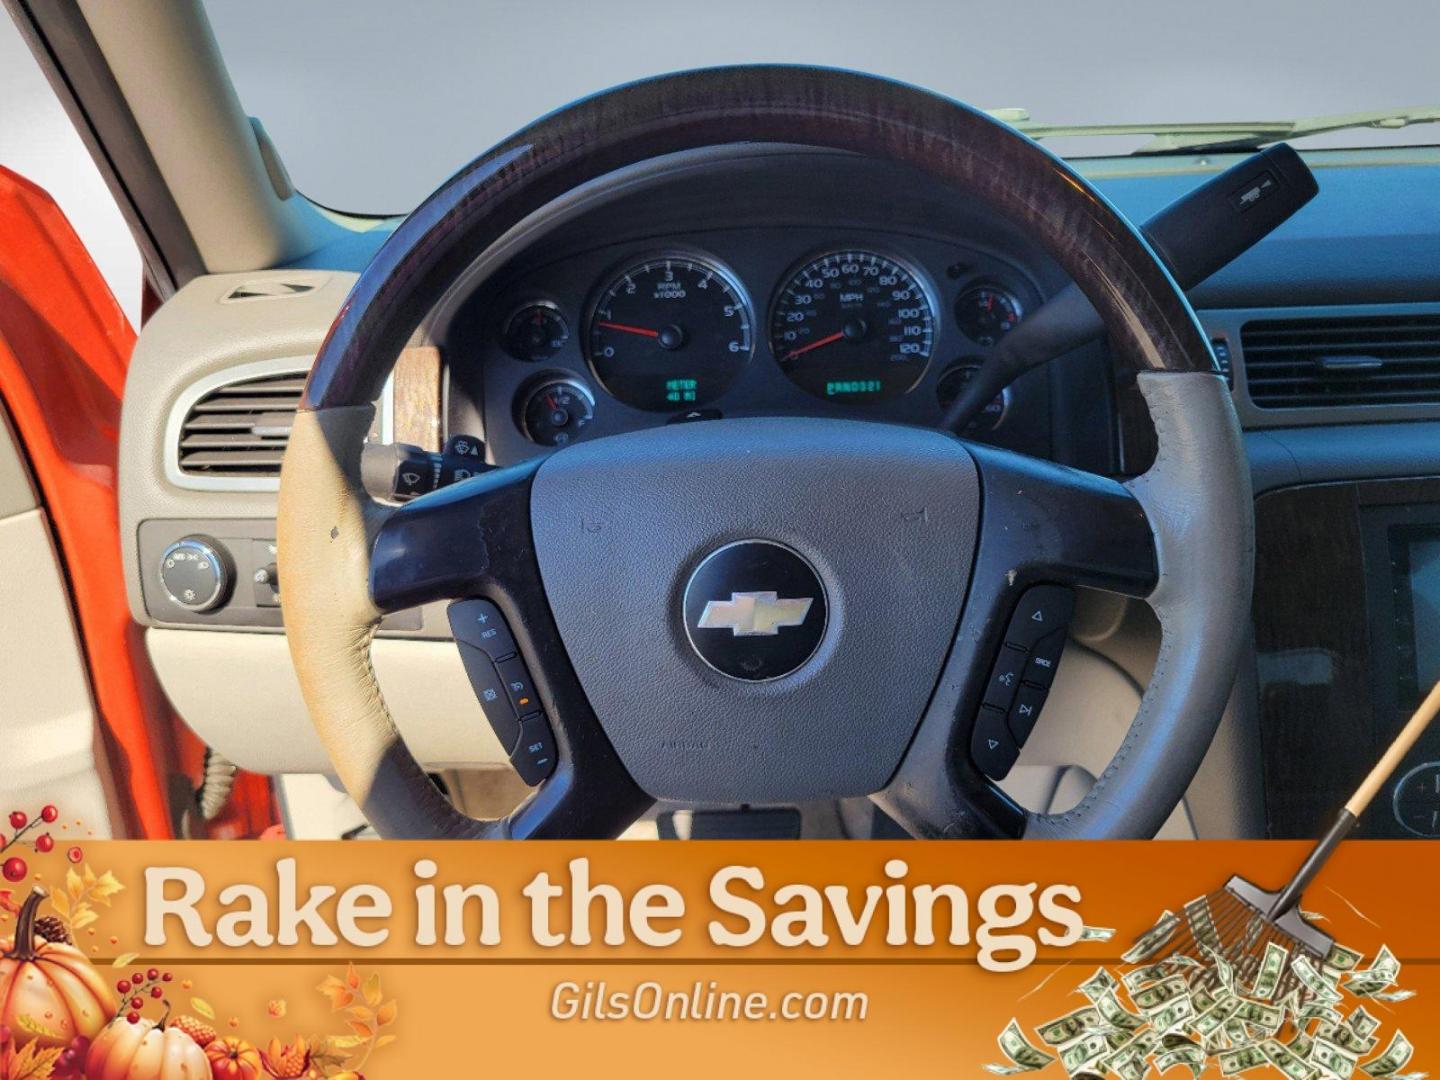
64	348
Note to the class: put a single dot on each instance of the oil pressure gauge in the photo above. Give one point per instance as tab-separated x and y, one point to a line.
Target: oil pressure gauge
556	412
1417	800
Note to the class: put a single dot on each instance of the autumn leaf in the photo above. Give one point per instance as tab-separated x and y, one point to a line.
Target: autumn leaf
61	903
361	1013
124	959
84	915
35	1027
105	887
386	1013
384	1040
352	977
344	1042
339	994
365	1031
33	1063
88	876
74	885
372	990
203	1007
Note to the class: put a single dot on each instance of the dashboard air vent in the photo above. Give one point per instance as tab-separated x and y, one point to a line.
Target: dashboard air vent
241	428
1363	360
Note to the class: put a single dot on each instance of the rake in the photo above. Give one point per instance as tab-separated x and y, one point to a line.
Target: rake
1237	922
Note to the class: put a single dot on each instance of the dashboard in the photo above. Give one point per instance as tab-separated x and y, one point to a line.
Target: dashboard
770	283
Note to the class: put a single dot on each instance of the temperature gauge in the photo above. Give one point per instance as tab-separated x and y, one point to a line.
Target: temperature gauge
536	332
557	412
987	313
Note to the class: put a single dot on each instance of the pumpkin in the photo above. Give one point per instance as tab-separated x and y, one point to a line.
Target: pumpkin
51	985
145	1050
233	1059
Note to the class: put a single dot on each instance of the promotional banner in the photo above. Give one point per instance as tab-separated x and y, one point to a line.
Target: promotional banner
786	959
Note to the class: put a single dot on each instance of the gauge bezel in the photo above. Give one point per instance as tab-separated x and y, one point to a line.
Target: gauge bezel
975	285
910	266
502	329
531	387
622	268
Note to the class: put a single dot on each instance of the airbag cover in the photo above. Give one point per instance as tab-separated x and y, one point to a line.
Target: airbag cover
885	515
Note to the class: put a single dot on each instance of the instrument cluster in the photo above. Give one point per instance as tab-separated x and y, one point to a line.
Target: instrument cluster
890	328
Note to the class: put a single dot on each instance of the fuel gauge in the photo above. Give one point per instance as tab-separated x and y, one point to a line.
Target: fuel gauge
987	313
556	412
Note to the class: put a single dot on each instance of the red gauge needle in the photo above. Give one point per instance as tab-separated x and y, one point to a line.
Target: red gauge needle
816	344
623	328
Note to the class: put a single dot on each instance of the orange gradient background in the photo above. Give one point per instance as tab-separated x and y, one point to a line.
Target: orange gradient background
933	1011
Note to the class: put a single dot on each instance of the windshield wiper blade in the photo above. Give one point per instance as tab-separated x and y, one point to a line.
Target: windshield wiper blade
1169	138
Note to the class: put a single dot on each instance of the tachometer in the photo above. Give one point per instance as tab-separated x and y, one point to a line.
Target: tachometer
669	333
853	326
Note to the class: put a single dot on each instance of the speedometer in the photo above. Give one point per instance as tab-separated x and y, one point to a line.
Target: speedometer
669	333
853	326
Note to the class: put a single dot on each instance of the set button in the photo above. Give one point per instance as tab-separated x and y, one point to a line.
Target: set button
503	685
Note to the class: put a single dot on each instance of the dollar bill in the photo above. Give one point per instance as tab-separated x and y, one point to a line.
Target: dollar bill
1191	1056
1070	1026
1383	971
1023	1057
1173	1015
1272	966
1288	1062
1102	982
1147	973
1267	1017
1202	924
1223	971
1160	994
1318	986
1391	995
1332	1059
1396	1056
1241	1059
1342	959
1213	1018
1096	933
1361	1022
1116	1015
1302	1043
1153	940
1346	1038
1083	1052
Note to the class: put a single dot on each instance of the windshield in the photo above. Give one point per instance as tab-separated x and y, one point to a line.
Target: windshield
373	103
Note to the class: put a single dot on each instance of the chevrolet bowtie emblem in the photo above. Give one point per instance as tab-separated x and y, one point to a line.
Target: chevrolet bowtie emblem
747	614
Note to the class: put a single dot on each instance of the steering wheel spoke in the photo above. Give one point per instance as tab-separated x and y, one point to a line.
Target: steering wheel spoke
471	543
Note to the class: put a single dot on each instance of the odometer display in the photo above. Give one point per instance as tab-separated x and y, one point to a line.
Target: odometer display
670	333
853	326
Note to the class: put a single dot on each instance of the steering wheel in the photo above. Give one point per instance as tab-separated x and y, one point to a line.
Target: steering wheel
770	609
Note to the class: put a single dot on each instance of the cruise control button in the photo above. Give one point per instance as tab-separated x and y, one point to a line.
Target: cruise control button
1044	658
1026	710
534	756
1005	678
1042	609
485	681
991	744
518	686
479	623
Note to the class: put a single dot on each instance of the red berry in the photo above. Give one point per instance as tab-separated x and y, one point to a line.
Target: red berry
137	978
166	977
75	854
14	869
49	813
133	1017
123	986
152	974
156	992
44	843
18	819
137	1002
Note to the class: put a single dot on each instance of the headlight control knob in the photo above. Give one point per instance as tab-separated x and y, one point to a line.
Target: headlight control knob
195	573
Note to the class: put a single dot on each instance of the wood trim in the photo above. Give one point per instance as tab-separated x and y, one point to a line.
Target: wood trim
416	410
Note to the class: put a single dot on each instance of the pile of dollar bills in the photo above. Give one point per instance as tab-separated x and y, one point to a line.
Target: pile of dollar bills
1196	1011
